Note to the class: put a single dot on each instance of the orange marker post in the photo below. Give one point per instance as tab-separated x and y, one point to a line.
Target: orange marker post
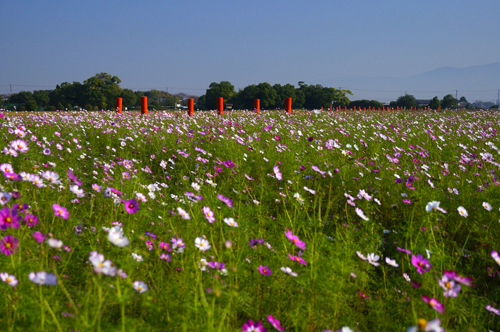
119	105
288	105
220	105
256	105
144	105
190	107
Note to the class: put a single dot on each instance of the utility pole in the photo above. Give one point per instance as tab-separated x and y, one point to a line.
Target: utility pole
10	89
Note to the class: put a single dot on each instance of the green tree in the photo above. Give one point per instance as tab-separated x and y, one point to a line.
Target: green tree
200	104
128	98
286	91
407	101
31	105
102	90
463	100
449	101
435	103
42	98
223	89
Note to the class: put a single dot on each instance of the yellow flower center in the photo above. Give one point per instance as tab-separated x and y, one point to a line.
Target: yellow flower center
421	323
8	219
448	285
7	245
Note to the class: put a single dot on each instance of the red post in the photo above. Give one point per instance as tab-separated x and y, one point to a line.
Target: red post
220	105
354	107
345	108
321	107
256	105
190	107
144	105
119	105
288	105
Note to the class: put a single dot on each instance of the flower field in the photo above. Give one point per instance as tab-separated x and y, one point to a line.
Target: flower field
315	221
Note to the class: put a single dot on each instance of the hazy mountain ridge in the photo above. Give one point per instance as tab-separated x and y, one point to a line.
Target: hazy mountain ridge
479	82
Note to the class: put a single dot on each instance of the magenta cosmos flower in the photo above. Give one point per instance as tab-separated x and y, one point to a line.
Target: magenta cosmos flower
8	245
225	200
275	323
434	304
131	206
265	270
250	326
420	263
209	214
9	218
60	211
297	259
295	240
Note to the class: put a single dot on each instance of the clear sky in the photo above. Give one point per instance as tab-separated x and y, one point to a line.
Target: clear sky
185	44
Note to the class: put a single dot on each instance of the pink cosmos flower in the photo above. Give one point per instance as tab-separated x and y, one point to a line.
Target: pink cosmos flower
275	323
434	304
420	263
467	281
8	245
9	218
209	214
131	206
295	240
277	172
74	178
39	237
60	211
225	200
265	270
250	326
450	288
297	259
30	220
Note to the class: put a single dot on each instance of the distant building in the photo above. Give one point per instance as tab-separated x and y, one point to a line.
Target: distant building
423	102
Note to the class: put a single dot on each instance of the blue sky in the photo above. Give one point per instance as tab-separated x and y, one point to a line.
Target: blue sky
186	45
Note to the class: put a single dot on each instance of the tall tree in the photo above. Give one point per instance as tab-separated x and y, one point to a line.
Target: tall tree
102	89
435	103
215	90
407	101
449	101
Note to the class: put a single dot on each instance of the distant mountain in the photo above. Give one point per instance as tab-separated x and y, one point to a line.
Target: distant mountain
474	82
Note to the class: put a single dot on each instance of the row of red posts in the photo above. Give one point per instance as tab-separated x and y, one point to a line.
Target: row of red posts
256	105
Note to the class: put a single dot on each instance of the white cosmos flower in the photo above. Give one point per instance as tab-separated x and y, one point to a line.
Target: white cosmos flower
9	279
487	206
495	256
391	262
372	259
196	186
138	258
289	271
231	222
203	264
202	244
361	214
183	213
140	286
363	257
434	206
116	237
310	190
462	211
55	243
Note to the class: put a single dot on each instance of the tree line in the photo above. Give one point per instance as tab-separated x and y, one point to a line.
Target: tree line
97	92
273	96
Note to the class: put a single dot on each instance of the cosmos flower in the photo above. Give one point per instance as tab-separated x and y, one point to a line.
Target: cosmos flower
138	258
225	200
9	218
183	213
434	206
288	271
8	245
140	286
295	240
420	263
231	222
391	262
361	214
202	244
4	197
462	211
487	206
55	243
265	270
450	288
116	237
9	279
495	256
277	173
373	259
43	278
60	211
209	214
131	206
250	326
297	259
434	304
275	323
427	326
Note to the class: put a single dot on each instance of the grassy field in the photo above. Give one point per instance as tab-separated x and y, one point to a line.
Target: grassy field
315	221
